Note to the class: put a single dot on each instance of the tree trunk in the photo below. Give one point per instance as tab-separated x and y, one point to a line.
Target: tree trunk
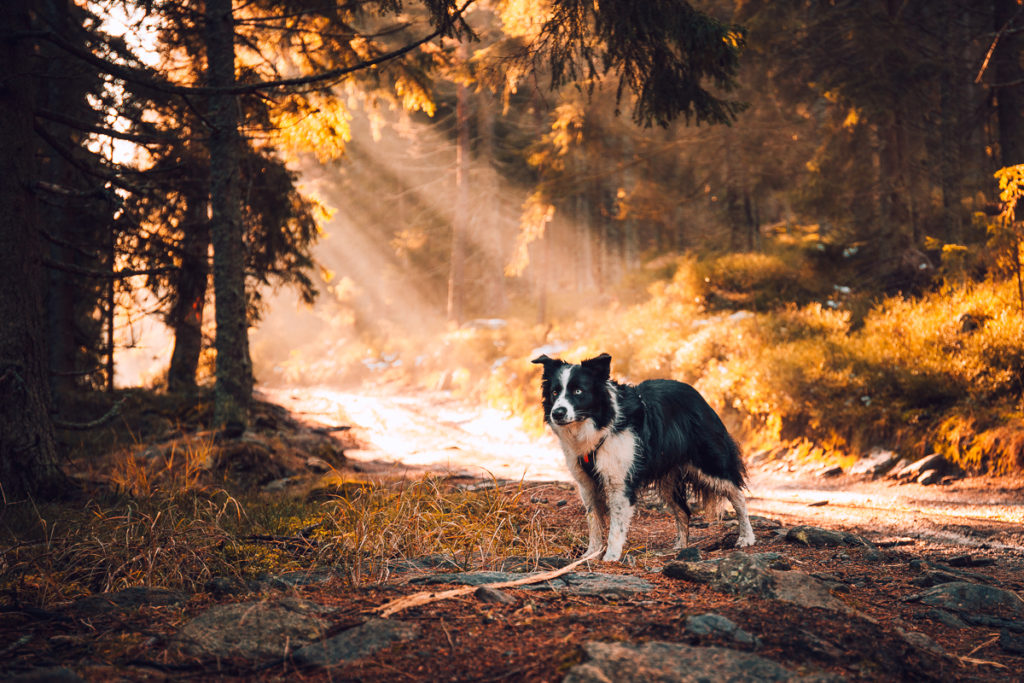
460	227
28	453
186	316
234	365
1006	63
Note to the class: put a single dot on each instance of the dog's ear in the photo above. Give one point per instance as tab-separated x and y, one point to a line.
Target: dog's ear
548	363
601	365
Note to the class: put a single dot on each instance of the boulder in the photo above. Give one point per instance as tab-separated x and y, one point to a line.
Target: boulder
935	462
875	464
252	630
973	602
716	624
355	643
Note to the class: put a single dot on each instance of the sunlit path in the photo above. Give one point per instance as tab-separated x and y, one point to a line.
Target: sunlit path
431	430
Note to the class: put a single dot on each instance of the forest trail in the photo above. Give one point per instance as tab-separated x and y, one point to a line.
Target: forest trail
433	432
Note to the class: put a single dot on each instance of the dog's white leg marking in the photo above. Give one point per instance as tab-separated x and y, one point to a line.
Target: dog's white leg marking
613	464
739	503
621	513
590	496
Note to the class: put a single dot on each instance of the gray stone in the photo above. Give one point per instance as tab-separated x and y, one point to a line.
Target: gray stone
972	599
816	537
829	472
1011	642
802	589
921	641
934	577
716	624
744	574
697	572
607	585
929	477
876	463
935	461
660	661
493	595
355	643
47	674
254	630
690	554
129	598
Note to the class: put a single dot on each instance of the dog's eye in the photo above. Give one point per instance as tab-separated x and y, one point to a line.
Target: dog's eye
578	392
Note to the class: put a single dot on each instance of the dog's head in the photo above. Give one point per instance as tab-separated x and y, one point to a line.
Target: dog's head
574	393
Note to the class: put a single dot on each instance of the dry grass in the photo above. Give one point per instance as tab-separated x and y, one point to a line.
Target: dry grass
55	552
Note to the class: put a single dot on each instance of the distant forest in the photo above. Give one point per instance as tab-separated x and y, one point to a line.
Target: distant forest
480	159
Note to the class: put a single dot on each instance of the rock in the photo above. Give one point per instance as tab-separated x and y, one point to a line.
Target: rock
817	646
876	463
697	572
690	555
968	560
519	563
935	461
716	624
934	577
743	574
493	595
929	477
944	617
1011	642
921	641
606	585
804	590
660	661
759	522
129	598
971	600
47	674
816	537
253	630
829	472
355	643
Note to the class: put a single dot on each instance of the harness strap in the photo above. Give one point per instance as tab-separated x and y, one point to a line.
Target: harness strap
593	454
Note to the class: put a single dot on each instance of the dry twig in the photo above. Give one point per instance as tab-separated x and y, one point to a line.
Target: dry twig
427	597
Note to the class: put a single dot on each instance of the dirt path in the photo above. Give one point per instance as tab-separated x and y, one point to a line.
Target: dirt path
435	432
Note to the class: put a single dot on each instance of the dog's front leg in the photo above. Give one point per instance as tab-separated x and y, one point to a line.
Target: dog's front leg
596	517
620	510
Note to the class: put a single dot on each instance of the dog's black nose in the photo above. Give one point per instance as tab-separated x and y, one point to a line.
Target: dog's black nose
558	414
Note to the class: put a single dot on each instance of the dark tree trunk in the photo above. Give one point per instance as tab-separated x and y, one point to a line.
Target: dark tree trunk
28	454
460	222
234	365
1009	20
186	316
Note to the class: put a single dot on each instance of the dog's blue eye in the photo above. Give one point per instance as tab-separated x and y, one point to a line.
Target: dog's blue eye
578	392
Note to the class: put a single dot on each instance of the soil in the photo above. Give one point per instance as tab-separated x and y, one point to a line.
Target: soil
971	525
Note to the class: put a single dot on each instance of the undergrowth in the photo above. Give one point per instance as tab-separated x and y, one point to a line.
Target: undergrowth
56	552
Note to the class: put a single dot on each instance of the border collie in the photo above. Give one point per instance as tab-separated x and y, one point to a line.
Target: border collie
618	439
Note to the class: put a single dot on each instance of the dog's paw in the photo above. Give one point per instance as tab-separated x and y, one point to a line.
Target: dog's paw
744	541
611	557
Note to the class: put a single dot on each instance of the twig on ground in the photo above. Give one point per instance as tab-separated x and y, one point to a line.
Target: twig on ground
427	597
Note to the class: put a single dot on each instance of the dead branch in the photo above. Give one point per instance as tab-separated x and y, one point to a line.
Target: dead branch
427	597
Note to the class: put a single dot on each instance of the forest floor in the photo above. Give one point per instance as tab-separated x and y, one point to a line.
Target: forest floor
849	579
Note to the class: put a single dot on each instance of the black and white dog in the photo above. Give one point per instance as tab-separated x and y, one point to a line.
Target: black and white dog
619	438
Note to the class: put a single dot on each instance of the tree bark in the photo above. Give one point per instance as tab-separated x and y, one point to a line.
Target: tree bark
186	316
1009	20
233	389
28	453
460	222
